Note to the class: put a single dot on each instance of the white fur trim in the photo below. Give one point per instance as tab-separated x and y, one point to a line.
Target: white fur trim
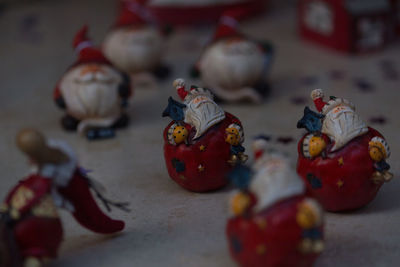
170	134
83	45
229	21
61	174
306	146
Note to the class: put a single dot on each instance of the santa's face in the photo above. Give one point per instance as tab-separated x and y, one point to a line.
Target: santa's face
202	113
91	91
134	49
232	64
342	124
274	180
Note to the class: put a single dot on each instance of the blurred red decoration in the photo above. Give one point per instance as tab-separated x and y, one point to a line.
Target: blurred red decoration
353	26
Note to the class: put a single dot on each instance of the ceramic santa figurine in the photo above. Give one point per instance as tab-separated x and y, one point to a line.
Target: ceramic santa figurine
234	66
93	92
202	142
135	44
273	223
341	159
31	230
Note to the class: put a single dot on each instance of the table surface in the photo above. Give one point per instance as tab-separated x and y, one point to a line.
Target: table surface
169	226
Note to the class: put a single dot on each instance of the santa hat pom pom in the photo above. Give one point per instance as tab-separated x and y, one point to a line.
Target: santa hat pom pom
317	93
178	83
260	144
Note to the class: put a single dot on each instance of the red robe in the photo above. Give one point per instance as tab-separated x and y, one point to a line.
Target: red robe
205	159
271	237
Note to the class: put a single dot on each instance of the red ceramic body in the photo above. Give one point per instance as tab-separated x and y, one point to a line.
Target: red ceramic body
269	238
346	186
214	158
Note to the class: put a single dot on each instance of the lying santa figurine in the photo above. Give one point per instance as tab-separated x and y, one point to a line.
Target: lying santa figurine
93	92
234	66
135	44
202	142
273	222
30	227
341	159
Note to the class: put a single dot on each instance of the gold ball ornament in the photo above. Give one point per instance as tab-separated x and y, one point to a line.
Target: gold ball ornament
180	134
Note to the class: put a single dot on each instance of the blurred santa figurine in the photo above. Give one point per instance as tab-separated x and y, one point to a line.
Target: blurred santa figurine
30	227
273	223
135	44
93	92
203	142
341	159
234	66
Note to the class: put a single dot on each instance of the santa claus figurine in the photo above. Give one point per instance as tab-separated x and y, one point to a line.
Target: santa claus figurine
234	66
341	159
202	142
135	44
30	227
273	223
93	92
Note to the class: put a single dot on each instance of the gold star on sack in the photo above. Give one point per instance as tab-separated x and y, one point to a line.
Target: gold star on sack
200	168
261	223
182	177
261	249
202	148
341	161
340	183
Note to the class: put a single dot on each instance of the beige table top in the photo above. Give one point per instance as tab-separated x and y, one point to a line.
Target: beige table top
169	226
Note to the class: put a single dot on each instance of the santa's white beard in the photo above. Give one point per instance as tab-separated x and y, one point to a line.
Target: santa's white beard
203	114
232	66
93	95
274	180
134	51
342	124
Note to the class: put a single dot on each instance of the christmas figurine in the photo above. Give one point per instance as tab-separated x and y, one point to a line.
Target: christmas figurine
93	92
202	142
234	66
135	44
273	222
30	227
341	159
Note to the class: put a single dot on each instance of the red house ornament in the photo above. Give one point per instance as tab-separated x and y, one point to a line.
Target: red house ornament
352	26
273	222
202	143
341	160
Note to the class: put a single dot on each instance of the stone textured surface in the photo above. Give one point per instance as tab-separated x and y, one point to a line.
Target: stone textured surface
167	225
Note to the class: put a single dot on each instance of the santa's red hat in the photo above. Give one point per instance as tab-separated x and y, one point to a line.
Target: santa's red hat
317	96
227	27
87	53
179	85
133	12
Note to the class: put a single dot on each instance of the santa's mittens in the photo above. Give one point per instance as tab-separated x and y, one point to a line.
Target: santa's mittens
317	93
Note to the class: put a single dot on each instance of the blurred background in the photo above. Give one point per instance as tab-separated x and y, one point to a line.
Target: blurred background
348	47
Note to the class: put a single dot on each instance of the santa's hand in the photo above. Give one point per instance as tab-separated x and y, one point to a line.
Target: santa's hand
179	83
317	93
